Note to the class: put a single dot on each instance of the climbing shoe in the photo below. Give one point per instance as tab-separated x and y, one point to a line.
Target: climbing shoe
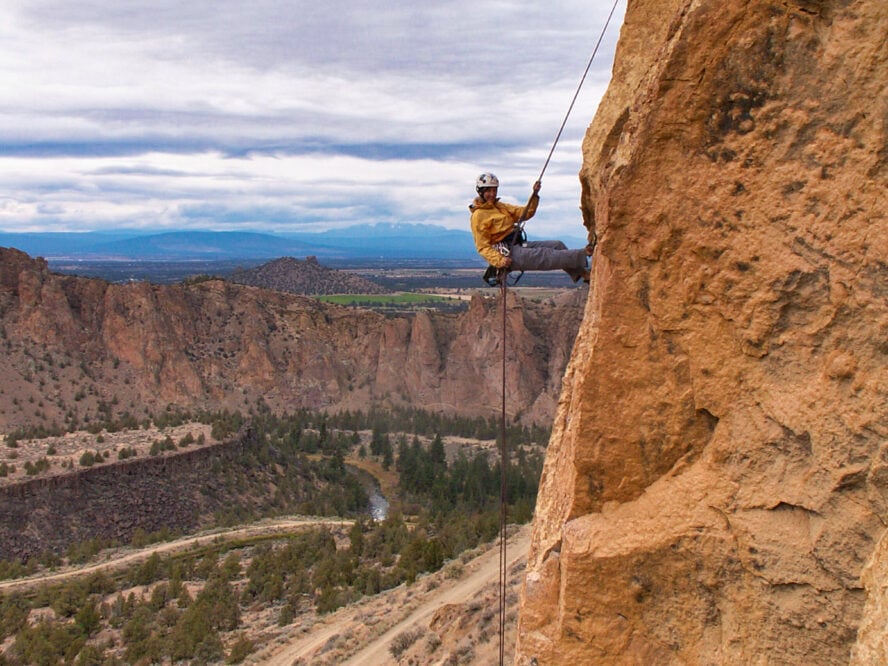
593	241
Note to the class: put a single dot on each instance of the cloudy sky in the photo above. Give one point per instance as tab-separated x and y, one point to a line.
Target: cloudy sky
290	115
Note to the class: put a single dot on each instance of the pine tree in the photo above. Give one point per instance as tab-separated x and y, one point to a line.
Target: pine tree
377	441
88	619
356	539
388	454
437	453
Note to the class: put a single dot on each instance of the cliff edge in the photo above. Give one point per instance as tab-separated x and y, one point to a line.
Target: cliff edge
76	350
716	485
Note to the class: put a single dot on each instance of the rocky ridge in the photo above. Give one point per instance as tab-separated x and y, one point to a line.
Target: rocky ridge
307	277
78	348
715	485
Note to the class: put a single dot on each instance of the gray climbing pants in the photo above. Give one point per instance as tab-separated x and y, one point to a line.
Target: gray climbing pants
549	256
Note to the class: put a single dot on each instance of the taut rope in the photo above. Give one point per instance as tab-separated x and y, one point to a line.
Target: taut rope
504	458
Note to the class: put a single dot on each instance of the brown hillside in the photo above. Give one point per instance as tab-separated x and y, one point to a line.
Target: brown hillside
308	278
76	349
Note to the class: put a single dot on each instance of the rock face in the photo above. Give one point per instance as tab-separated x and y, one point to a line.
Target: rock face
717	480
111	502
75	349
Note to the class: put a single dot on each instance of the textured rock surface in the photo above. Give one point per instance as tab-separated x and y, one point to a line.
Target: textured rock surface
110	502
76	345
717	478
872	638
179	492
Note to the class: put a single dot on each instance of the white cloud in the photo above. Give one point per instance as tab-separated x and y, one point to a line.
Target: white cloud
272	114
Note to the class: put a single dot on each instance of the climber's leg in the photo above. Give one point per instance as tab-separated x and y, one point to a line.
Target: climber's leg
549	256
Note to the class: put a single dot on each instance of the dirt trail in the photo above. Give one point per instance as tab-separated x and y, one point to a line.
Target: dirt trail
279	526
399	609
480	572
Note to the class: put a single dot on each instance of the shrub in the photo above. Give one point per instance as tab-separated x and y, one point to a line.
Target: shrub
31	469
404	640
127	452
454	570
287	615
88	619
47	643
13	615
68	599
433	642
240	649
84	550
329	600
149	571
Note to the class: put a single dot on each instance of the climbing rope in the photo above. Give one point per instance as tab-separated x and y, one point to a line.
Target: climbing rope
573	101
577	93
504	460
502	280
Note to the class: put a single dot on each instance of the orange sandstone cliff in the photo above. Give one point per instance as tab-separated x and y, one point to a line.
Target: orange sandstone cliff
716	486
84	349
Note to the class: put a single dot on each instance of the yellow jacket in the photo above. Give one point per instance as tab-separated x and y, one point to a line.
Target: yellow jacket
492	222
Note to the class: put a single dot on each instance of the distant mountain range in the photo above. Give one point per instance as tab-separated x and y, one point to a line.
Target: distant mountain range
365	242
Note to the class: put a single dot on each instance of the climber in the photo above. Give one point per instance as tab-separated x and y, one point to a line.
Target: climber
499	238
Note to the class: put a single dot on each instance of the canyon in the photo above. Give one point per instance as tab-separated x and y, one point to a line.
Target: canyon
78	349
716	484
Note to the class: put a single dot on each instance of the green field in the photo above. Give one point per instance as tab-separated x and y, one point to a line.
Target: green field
385	300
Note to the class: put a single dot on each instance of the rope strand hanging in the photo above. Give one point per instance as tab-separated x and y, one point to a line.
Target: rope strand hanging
504	451
504	458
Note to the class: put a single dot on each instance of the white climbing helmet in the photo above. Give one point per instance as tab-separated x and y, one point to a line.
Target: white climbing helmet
486	180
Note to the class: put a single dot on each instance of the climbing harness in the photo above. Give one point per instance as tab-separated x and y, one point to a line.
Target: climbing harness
500	278
493	276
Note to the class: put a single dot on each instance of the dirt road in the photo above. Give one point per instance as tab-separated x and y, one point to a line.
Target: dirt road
360	633
126	559
480	572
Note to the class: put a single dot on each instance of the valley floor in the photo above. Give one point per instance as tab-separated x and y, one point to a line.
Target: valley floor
450	616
